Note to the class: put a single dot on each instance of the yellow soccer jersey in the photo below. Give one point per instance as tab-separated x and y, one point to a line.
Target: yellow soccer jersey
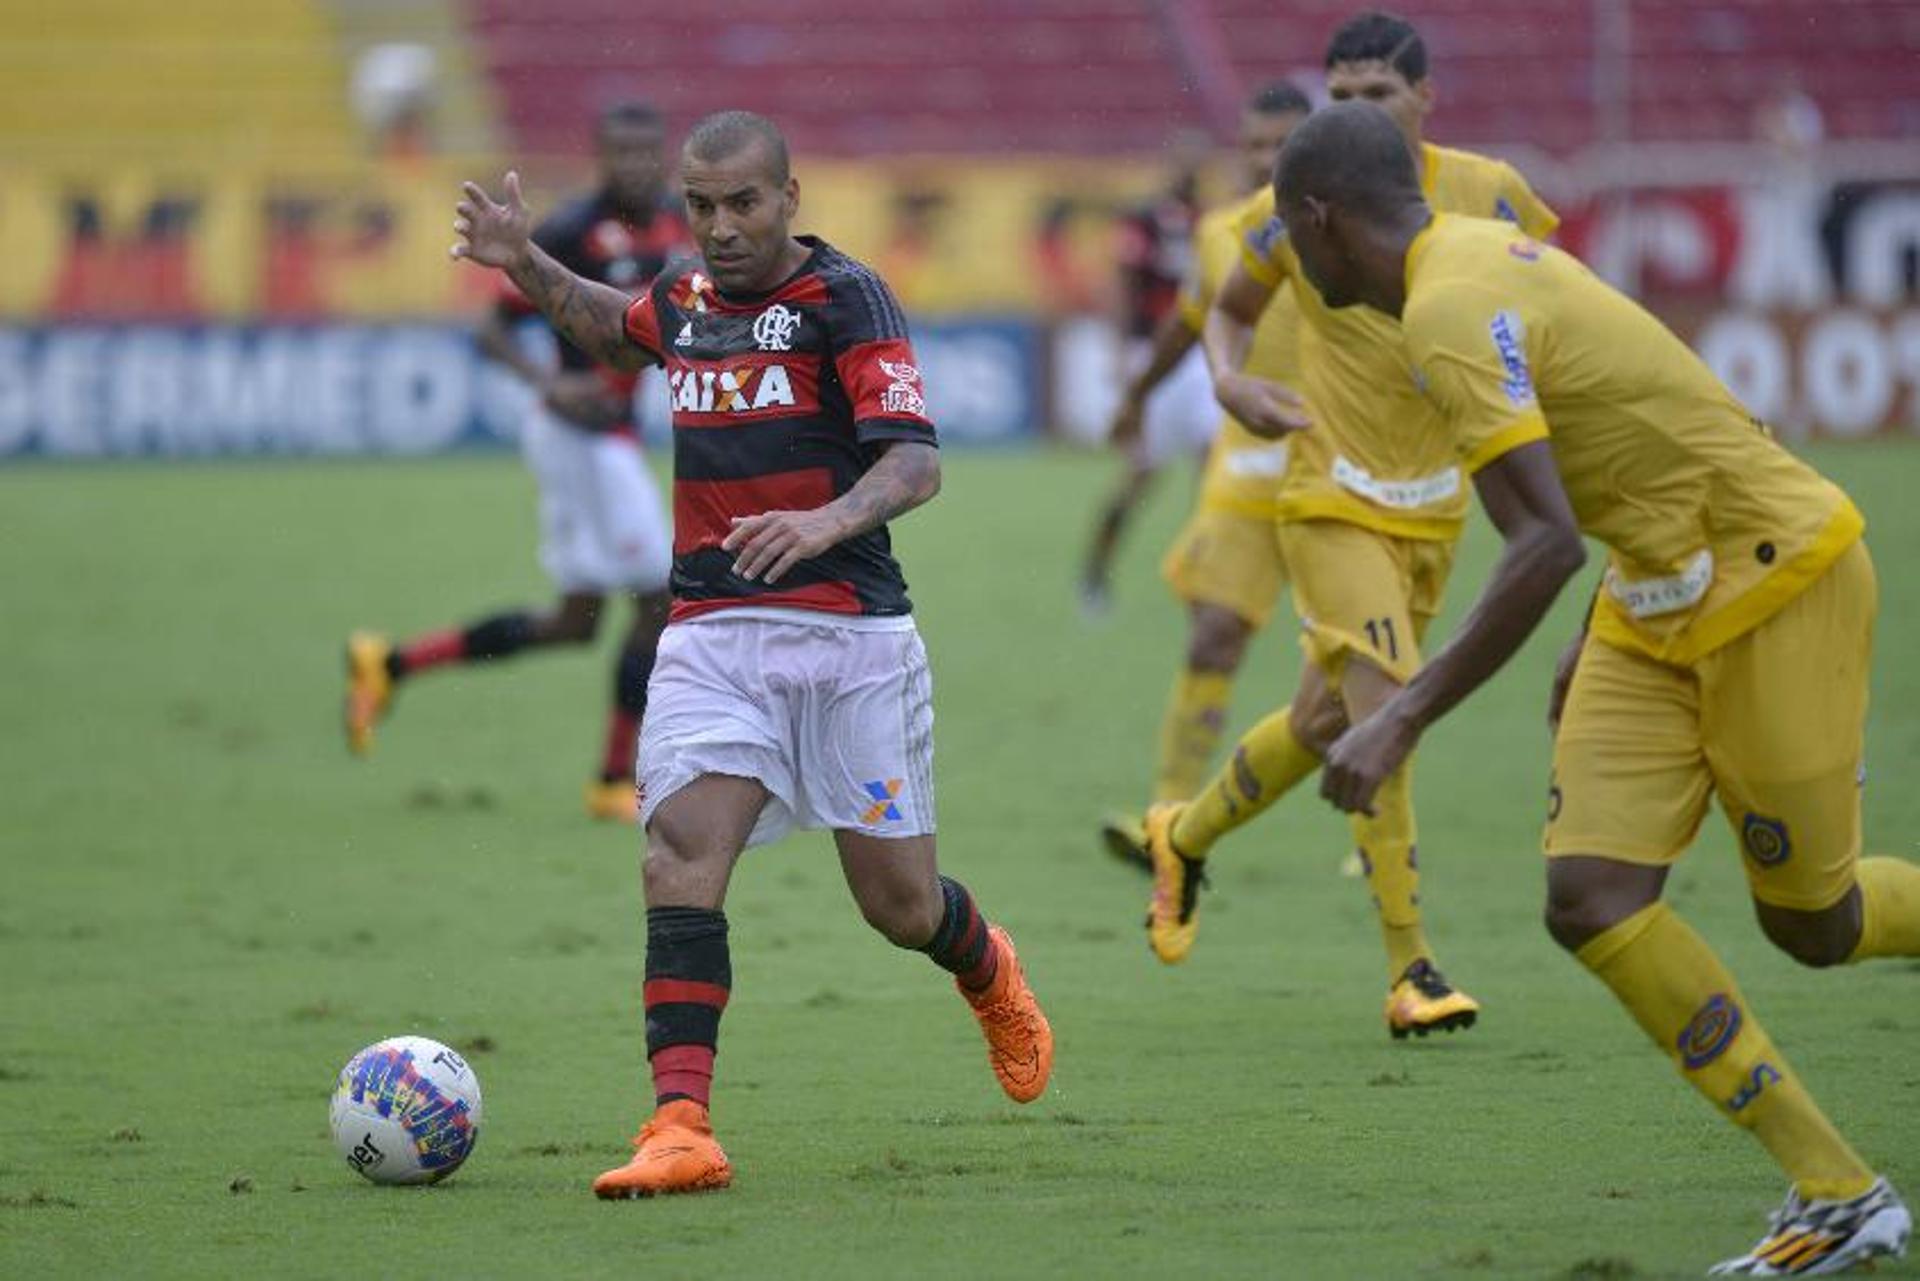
1243	471
1376	455
1712	525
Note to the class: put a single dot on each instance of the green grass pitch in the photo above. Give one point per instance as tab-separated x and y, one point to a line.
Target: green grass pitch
207	907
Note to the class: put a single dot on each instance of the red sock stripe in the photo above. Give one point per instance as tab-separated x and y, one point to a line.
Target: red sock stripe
684	1070
432	650
684	991
982	975
623	731
976	926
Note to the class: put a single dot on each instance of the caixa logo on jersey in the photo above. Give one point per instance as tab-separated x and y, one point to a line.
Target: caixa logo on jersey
743	389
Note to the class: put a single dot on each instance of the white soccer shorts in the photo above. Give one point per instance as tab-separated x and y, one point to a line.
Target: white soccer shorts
603	527
1182	415
833	716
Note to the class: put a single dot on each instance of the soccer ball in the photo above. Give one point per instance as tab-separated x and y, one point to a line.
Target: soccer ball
405	1110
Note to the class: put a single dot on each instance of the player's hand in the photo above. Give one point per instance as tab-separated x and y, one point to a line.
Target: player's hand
492	235
768	545
1265	408
583	400
1364	757
1563	681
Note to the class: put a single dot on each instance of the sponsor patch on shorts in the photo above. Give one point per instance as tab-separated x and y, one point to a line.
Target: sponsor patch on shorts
883	793
1766	840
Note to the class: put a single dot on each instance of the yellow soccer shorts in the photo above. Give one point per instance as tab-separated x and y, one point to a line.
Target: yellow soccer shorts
1361	592
1229	559
1772	722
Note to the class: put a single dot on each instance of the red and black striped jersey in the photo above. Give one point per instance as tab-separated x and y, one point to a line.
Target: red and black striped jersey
592	237
781	402
1156	253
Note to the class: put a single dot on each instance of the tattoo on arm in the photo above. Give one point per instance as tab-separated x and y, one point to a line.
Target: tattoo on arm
907	475
587	314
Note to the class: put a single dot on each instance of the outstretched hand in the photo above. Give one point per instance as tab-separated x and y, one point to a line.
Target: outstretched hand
492	235
1265	408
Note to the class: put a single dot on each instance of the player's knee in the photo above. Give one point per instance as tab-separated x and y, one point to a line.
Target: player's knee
902	914
1317	723
571	624
1218	642
1813	939
674	865
1574	917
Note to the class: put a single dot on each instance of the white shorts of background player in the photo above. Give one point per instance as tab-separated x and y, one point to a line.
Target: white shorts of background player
603	526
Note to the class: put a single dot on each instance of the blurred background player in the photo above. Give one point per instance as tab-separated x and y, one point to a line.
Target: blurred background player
602	527
1179	418
1728	651
1225	562
1369	509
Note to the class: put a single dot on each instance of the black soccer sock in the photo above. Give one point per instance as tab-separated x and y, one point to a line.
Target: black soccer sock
961	945
689	977
501	636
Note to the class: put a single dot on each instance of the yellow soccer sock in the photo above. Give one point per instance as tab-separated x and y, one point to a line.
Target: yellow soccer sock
1189	732
1680	994
1889	908
1386	844
1266	763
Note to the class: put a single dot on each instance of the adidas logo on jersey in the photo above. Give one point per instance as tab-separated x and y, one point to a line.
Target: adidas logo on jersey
730	391
686	335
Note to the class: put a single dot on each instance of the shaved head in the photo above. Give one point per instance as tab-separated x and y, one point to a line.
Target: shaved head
1349	194
1350	156
726	134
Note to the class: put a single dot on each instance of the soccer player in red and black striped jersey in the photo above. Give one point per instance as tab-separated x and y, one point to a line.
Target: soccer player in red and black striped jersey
791	687
1155	254
602	529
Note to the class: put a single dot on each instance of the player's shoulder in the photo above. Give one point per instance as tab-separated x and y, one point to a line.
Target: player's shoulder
1458	161
683	282
855	294
1244	213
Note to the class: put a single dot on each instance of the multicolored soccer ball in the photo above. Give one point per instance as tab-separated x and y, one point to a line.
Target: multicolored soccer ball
405	1110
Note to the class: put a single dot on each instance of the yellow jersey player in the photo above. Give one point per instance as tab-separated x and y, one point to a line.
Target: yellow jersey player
1369	510
1727	652
1224	564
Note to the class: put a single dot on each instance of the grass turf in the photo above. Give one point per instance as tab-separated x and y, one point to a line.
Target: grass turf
208	907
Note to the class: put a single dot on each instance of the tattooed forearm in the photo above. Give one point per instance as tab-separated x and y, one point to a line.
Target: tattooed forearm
907	475
589	315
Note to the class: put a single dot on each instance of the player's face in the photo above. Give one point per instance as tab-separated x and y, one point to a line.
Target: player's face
1377	82
1328	267
631	166
1261	137
740	215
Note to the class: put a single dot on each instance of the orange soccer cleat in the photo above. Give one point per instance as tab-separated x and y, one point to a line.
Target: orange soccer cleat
675	1151
1019	1039
614	802
369	688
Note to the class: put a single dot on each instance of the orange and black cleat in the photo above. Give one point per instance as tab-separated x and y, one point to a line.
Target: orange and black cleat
1019	1038
674	1152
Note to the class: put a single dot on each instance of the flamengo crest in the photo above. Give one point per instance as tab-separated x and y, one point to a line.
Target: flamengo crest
773	328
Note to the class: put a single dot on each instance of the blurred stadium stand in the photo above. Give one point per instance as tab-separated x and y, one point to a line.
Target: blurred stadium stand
1750	167
856	77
